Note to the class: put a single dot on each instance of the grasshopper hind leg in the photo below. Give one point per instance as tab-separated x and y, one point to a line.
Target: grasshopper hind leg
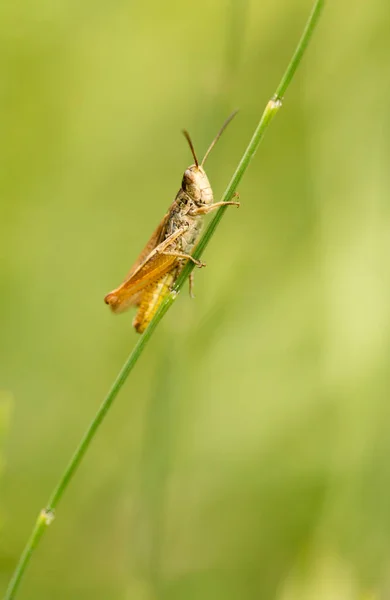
191	284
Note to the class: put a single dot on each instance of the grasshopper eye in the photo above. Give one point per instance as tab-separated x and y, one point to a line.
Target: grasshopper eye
188	179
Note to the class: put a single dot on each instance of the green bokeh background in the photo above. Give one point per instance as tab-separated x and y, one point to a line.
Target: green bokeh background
248	455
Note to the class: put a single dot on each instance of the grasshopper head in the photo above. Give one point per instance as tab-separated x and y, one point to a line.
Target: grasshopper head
195	181
196	185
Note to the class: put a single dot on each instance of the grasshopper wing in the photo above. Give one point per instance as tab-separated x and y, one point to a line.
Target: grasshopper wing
149	268
156	237
128	294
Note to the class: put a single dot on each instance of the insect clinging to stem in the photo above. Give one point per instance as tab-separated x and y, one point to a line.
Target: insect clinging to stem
170	247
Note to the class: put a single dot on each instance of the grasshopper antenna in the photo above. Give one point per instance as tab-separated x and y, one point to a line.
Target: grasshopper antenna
220	132
187	136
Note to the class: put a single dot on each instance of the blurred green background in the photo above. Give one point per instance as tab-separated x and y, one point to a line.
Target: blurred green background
248	455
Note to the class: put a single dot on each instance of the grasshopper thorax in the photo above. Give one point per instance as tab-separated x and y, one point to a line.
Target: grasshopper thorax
196	185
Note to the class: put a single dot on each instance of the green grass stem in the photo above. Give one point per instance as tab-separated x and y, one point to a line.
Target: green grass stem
47	515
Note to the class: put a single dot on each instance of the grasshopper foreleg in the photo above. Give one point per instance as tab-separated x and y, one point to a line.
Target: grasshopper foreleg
204	210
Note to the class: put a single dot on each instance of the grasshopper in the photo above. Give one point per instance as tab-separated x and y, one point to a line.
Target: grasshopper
164	256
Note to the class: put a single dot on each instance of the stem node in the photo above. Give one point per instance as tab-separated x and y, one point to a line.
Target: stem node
46	516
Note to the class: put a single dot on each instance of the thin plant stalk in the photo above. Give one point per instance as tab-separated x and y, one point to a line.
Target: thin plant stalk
46	516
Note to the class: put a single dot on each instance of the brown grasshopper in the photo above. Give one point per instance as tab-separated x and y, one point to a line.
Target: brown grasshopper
171	244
